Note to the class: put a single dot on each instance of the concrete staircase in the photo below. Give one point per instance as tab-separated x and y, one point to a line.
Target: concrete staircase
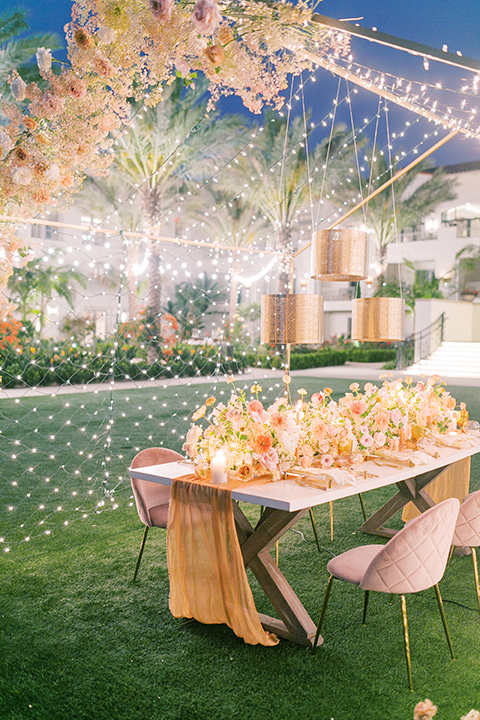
451	359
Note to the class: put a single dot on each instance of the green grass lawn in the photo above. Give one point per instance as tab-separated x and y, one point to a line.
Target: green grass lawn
79	640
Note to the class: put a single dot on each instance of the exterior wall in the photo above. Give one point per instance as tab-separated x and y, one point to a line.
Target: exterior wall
462	319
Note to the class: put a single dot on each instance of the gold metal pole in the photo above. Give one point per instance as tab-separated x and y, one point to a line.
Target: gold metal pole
386	184
413	48
132	234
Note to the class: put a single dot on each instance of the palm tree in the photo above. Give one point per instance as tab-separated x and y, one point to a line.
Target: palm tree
16	54
175	141
100	197
234	225
283	191
412	204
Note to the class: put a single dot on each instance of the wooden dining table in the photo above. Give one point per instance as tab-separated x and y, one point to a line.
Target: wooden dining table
285	502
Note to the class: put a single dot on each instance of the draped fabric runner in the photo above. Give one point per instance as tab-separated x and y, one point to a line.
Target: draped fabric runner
208	580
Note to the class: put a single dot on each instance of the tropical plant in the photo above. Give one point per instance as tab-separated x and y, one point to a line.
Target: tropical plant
282	191
175	142
193	302
34	285
15	53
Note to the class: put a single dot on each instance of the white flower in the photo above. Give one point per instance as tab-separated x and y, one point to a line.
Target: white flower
106	35
52	173
22	176
44	59
206	16
18	88
6	142
472	715
190	444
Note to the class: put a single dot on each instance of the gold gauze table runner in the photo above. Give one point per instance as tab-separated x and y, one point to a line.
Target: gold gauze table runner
454	481
208	580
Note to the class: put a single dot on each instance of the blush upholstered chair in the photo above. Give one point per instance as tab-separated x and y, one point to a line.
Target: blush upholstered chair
413	560
467	531
151	498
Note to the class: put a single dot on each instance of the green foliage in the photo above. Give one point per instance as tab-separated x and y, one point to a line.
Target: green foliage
193	302
17	54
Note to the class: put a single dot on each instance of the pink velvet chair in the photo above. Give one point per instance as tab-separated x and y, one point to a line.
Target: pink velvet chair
467	531
413	560
151	499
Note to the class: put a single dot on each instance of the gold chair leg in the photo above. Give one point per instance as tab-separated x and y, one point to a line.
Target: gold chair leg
444	620
331	521
407	642
475	572
314	528
362	504
365	606
322	613
450	554
141	552
277	552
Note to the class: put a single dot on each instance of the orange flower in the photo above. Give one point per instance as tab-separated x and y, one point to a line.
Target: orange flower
68	181
29	122
262	443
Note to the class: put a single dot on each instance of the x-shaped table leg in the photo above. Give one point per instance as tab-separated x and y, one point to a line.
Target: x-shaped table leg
295	623
411	490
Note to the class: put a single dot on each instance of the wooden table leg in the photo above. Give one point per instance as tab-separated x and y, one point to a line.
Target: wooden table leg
411	490
295	623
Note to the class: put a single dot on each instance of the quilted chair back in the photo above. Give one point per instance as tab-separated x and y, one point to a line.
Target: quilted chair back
467	531
148	494
416	557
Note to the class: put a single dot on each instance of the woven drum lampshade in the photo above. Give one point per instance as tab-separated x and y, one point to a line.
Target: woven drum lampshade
378	319
292	319
339	255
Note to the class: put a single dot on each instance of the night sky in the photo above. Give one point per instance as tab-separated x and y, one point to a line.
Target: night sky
445	22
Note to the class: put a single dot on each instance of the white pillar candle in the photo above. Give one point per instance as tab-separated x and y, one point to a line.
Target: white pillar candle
217	467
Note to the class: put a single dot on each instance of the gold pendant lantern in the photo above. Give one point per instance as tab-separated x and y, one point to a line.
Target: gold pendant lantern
378	319
339	254
292	319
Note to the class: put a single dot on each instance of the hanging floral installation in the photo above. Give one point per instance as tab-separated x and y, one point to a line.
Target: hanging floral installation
66	125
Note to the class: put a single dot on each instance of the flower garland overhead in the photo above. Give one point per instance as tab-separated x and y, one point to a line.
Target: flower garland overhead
66	125
321	433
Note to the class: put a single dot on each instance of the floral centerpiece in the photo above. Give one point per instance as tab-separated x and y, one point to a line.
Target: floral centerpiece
321	432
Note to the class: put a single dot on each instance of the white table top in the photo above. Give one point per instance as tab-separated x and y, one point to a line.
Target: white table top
288	495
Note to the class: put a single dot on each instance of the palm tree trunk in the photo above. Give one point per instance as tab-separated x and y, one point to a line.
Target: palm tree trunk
132	259
233	292
152	209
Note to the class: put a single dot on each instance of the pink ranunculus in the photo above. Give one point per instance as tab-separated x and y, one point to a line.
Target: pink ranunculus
420	386
382	419
182	67
358	407
327	461
161	10
380	439
407	431
270	459
206	16
103	66
255	406
279	420
306	456
77	88
354	386
51	105
396	416
317	400
366	440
